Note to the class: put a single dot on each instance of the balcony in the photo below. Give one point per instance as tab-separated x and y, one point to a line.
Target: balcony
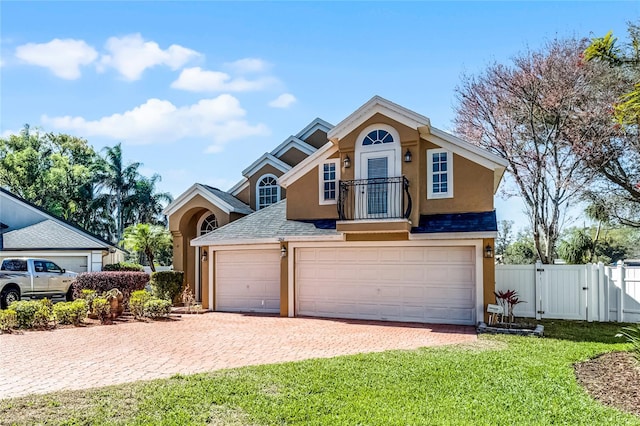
374	199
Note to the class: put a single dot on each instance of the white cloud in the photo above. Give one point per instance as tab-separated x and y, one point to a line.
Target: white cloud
131	55
248	65
219	119
62	57
283	101
198	80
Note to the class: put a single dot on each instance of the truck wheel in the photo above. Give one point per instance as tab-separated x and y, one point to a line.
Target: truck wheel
8	296
70	294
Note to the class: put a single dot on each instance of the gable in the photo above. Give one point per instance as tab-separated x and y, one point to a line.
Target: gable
377	105
266	159
29	226
222	200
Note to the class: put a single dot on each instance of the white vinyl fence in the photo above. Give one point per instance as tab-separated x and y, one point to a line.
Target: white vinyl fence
592	292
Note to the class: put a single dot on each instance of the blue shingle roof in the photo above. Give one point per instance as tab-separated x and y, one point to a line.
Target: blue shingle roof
456	222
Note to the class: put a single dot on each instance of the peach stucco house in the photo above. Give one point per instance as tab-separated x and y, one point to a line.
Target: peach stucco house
385	218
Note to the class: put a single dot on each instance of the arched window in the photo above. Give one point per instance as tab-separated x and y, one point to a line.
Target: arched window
376	137
268	191
210	223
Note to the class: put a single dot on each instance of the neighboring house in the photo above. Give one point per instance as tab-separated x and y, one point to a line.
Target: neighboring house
27	230
202	208
391	219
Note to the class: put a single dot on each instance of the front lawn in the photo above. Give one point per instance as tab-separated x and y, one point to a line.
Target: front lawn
498	380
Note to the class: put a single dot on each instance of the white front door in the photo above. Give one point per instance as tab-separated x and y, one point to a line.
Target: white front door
374	194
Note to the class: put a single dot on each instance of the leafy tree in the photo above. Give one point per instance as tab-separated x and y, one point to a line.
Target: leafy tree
504	236
580	245
576	248
532	113
147	239
65	176
616	160
521	252
53	171
605	49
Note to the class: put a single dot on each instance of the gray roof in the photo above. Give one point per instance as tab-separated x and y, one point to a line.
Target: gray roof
238	206
268	223
49	234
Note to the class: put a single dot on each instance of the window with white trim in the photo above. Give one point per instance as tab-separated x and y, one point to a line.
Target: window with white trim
268	191
439	174
210	223
328	179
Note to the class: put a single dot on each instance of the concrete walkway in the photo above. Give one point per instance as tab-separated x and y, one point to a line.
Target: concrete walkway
80	358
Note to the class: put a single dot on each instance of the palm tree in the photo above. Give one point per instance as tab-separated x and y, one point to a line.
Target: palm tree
147	239
148	204
119	183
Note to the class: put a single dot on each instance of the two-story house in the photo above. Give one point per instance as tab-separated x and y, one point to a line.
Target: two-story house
391	219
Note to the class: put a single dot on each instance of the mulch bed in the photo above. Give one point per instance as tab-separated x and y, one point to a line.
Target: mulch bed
613	379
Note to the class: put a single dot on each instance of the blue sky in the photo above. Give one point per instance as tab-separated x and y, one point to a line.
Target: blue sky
197	90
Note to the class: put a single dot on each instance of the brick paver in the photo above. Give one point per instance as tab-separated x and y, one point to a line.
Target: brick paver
79	358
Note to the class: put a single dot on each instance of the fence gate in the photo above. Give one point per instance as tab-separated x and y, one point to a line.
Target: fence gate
562	291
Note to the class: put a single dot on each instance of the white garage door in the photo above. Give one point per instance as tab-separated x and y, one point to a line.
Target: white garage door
70	263
248	281
415	284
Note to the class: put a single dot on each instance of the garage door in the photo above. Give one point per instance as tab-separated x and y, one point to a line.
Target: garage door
248	281
415	284
70	263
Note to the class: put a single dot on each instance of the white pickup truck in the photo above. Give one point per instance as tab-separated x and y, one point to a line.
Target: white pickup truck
33	278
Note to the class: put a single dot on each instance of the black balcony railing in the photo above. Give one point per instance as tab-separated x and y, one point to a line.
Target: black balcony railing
377	198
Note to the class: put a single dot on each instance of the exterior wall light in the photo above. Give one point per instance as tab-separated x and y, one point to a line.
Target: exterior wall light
346	162
205	256
283	251
488	251
407	156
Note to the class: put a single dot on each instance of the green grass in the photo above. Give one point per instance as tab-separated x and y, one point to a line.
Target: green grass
498	380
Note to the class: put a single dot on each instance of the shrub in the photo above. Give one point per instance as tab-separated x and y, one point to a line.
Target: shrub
123	266
137	301
167	284
88	296
101	282
71	312
8	320
24	312
33	313
44	314
102	309
157	308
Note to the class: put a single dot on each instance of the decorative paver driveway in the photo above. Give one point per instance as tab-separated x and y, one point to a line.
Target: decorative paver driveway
79	358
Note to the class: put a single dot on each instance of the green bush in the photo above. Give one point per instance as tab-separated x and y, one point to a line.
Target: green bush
44	314
136	302
88	295
123	266
33	313
25	310
157	308
71	312
8	320
101	309
167	284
